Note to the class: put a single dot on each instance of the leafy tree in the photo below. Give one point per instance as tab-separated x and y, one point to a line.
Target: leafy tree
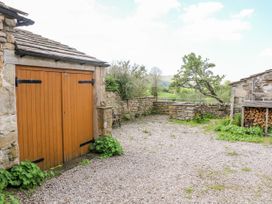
127	80
196	73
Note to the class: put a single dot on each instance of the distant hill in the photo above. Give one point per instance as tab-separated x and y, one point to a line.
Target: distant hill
166	80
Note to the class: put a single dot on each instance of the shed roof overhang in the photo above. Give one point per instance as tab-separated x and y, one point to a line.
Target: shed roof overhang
16	14
23	53
258	104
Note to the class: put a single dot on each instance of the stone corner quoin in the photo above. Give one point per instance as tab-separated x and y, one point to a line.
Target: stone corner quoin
8	125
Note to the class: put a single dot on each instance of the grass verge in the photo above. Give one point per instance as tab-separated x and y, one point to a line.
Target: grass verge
228	131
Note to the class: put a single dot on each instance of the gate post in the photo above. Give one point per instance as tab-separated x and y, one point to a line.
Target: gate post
104	120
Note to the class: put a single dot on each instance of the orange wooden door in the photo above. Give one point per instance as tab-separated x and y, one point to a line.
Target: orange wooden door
77	113
39	115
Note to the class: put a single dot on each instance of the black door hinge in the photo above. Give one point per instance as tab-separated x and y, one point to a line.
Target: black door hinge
87	81
26	81
85	143
38	160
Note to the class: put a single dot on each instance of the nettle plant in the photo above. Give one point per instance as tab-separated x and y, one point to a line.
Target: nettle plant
107	146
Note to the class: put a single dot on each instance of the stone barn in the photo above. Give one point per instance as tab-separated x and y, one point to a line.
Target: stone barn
51	96
252	96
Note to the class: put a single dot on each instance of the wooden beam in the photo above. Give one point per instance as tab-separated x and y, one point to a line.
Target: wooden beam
243	117
266	121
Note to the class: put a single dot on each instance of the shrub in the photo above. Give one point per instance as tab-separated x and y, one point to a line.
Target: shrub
202	118
7	198
27	175
237	119
234	129
107	146
111	84
5	178
127	80
235	133
239	137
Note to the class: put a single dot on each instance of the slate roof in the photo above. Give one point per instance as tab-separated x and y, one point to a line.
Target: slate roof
251	76
28	43
17	14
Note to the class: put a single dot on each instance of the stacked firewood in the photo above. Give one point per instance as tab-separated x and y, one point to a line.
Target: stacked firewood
256	117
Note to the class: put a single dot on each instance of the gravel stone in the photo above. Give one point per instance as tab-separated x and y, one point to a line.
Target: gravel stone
167	163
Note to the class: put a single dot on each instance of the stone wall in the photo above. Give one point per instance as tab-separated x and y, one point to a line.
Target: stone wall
187	111
162	107
257	87
8	124
129	109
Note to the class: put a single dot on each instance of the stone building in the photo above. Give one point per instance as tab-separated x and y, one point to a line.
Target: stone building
50	96
257	87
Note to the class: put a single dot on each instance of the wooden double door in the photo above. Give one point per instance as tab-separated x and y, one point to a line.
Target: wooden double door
54	113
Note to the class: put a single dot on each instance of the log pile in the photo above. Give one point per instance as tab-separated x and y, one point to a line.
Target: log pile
256	117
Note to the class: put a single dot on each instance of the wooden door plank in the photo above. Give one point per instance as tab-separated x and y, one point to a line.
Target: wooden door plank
39	117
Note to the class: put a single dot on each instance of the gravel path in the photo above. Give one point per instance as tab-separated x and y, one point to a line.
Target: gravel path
167	163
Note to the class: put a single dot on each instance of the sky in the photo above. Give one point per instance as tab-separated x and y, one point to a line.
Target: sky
235	35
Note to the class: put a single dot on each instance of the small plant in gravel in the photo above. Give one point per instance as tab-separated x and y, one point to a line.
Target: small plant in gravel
228	170
232	153
145	131
217	187
85	162
27	175
246	169
189	191
107	146
173	136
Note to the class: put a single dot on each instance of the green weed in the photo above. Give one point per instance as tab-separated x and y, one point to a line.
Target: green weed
189	191
232	153
107	146
246	169
85	162
217	187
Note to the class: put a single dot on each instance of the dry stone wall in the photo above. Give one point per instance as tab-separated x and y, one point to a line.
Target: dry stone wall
187	111
129	109
8	124
162	107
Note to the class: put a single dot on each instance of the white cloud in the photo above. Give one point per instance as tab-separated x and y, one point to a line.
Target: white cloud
202	24
267	52
197	12
151	9
244	13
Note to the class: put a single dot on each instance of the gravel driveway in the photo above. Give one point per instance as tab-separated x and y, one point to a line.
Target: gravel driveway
167	163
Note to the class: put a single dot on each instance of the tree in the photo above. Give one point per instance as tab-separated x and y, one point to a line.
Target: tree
155	74
195	73
127	80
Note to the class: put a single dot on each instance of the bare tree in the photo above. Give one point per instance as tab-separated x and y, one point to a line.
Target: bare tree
155	74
